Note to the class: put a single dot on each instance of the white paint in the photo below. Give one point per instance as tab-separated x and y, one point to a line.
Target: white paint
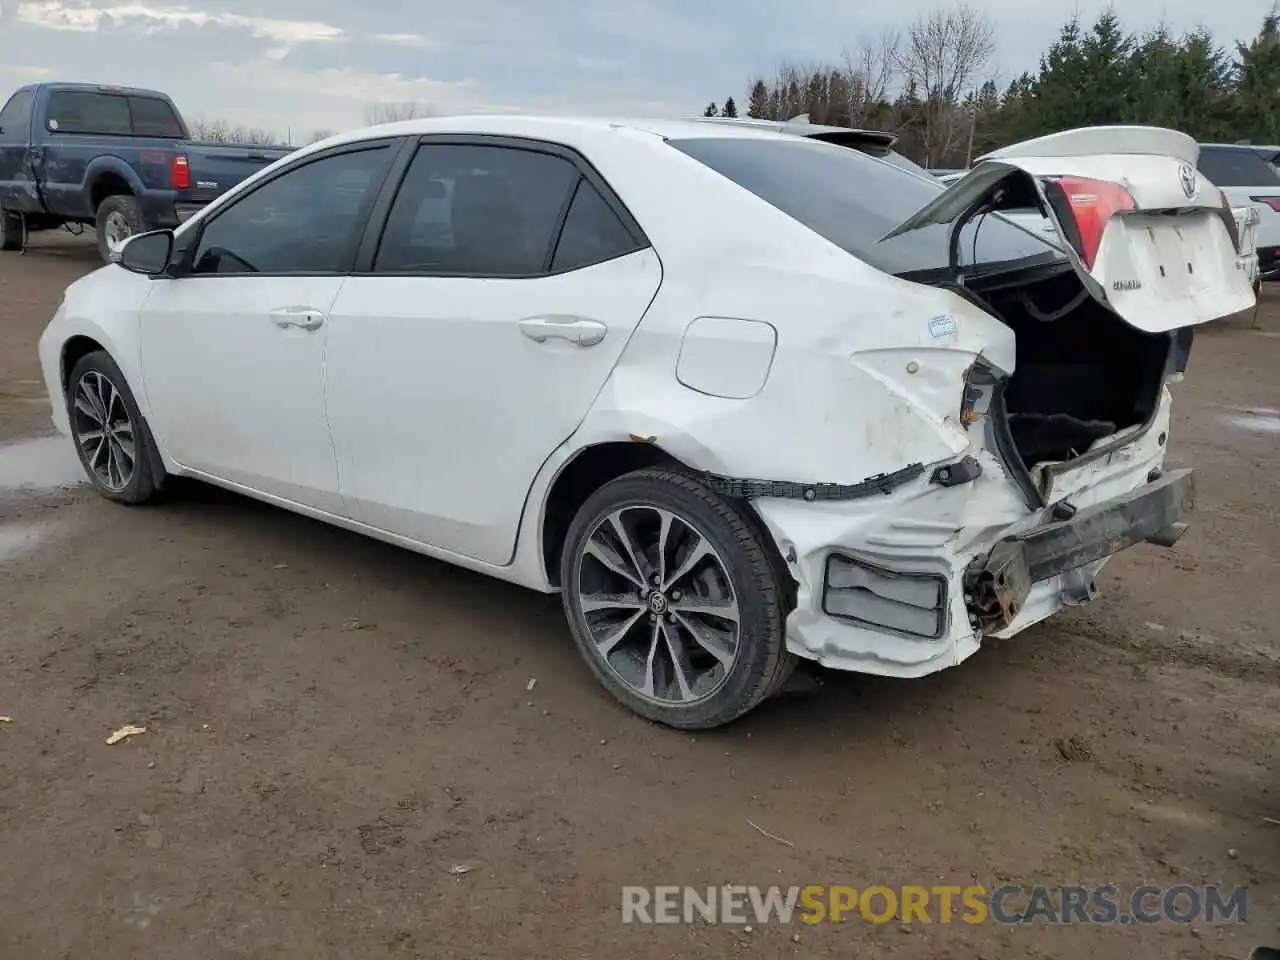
1159	273
417	412
468	407
724	357
39	465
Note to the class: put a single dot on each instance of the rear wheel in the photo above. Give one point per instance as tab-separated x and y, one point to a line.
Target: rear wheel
10	230
118	218
112	440
675	600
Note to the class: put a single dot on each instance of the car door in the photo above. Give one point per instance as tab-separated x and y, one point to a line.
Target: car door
17	187
233	347
475	335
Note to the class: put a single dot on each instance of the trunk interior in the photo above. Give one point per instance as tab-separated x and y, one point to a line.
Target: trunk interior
1082	372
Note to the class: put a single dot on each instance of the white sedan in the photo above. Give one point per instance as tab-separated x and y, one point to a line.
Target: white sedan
740	397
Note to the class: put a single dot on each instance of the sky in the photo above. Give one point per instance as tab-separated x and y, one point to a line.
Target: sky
296	66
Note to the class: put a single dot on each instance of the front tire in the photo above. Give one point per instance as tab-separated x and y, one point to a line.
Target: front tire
118	218
114	444
675	600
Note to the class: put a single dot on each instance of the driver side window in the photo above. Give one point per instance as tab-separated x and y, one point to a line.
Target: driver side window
307	221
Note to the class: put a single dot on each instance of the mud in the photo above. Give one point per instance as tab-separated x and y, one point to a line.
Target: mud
335	729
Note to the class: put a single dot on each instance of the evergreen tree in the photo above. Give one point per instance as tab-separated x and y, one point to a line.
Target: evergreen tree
712	110
730	109
758	104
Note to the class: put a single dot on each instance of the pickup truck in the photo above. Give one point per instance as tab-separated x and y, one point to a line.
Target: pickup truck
118	159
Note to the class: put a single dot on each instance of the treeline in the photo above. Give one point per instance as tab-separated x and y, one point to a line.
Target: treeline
220	131
935	85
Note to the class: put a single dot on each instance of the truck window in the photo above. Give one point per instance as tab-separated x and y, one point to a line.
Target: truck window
15	118
153	117
81	111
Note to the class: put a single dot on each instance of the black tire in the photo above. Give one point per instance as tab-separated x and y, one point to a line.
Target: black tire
147	477
121	210
759	584
10	231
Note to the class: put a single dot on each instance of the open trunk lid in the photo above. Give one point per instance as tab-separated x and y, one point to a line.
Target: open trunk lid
1147	235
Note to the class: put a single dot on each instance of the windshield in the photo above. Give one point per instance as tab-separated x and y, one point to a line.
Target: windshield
854	200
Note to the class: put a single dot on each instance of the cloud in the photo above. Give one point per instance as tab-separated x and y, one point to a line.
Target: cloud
57	15
317	63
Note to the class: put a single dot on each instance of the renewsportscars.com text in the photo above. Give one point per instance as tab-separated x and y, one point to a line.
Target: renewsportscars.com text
973	904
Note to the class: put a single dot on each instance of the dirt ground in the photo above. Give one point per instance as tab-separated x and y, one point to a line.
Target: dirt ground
334	724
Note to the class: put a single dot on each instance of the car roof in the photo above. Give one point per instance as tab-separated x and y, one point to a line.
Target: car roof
570	130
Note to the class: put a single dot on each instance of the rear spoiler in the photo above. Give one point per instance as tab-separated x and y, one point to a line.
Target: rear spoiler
846	137
1090	141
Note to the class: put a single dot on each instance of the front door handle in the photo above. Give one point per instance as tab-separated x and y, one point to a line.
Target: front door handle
585	333
297	317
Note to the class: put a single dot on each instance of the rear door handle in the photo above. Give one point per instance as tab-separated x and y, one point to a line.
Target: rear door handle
302	317
585	333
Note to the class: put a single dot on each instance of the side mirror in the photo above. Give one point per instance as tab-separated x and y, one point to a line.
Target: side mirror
147	253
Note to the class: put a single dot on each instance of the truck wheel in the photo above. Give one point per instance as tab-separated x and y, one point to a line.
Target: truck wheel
119	218
10	231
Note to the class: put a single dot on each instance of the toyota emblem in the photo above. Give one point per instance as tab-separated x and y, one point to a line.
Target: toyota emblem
1190	184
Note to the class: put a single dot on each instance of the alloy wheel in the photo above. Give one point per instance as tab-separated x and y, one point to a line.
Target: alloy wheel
659	605
104	431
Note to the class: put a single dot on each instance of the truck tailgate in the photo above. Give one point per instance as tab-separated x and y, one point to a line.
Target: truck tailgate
216	168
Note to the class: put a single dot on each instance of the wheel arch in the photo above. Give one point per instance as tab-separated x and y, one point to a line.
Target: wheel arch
80	345
109	176
593	465
74	349
588	469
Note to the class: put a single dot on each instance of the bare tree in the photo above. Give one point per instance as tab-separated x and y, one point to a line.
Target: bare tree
946	51
220	131
871	72
388	112
318	135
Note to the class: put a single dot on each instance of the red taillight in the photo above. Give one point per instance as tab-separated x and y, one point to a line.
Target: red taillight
1272	202
1092	204
180	172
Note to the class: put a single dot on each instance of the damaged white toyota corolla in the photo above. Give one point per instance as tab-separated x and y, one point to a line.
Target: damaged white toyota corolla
740	397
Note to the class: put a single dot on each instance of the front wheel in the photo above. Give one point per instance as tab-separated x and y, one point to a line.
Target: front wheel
675	600
113	442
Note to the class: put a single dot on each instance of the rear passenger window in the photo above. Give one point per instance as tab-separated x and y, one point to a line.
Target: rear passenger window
592	232
476	211
79	111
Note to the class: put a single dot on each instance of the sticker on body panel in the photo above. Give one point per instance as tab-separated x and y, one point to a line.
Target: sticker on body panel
942	327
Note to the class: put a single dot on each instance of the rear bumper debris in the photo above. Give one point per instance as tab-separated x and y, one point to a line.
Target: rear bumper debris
997	585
